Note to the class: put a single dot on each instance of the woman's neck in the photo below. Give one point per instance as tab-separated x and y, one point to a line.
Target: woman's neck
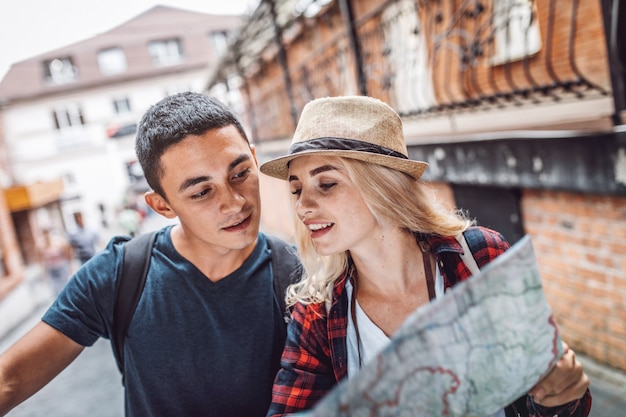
390	282
390	264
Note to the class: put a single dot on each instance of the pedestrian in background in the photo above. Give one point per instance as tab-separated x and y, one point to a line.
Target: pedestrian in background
84	240
370	237
56	258
130	219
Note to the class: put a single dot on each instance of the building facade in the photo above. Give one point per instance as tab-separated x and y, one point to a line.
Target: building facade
517	105
69	116
11	262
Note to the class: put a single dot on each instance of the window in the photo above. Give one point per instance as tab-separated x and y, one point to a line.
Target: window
220	42
516	31
68	117
407	57
70	178
60	70
112	61
121	105
175	89
167	52
309	8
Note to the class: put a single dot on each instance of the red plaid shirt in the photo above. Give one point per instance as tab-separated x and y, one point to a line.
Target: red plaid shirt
316	356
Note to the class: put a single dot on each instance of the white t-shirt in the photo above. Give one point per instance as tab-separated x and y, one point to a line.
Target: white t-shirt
373	339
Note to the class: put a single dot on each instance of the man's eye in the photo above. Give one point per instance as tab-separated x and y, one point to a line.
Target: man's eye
243	174
199	195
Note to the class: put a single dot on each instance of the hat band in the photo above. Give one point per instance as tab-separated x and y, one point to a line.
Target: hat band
341	144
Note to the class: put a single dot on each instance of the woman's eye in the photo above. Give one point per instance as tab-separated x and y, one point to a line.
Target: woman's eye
296	191
327	186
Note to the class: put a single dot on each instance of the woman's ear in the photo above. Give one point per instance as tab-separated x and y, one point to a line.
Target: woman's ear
253	150
159	204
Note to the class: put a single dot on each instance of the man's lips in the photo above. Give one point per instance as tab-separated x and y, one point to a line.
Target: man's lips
240	225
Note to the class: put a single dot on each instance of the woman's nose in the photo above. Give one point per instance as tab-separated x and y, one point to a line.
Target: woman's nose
304	205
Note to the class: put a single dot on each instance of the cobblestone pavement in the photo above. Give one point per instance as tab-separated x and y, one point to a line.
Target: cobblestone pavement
608	399
608	390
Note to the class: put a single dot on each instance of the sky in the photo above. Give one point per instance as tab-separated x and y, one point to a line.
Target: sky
31	27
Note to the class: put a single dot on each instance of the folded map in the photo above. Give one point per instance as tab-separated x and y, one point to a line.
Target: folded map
471	352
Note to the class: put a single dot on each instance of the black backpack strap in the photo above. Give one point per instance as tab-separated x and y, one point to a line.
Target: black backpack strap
286	269
136	261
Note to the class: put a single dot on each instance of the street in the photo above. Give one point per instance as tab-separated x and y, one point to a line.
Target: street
90	386
609	399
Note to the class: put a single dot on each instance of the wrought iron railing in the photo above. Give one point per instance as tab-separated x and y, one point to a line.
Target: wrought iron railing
433	57
448	56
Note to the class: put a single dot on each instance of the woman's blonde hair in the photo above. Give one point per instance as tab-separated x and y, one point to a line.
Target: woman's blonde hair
389	194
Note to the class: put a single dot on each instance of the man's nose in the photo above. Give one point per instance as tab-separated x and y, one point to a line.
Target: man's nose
231	200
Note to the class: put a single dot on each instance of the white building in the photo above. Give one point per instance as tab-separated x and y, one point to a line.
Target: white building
71	113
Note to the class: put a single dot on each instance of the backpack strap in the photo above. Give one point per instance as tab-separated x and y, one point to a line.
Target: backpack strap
286	269
467	255
136	261
468	241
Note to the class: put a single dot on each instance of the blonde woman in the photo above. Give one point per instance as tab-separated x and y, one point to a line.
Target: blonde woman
370	238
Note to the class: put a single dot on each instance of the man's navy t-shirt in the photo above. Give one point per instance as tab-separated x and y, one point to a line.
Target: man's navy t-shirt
194	347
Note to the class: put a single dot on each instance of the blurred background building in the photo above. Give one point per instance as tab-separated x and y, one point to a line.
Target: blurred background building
68	122
517	105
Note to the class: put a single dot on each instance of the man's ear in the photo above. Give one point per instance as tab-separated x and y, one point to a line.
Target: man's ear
159	204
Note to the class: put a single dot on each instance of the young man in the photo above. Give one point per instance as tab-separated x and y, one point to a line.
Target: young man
207	333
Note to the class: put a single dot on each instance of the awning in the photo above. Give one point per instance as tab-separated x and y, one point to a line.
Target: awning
25	197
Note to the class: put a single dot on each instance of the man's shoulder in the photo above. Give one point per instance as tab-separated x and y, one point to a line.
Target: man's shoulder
281	247
275	240
285	261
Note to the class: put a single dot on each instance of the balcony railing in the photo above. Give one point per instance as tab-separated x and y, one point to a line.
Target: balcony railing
430	58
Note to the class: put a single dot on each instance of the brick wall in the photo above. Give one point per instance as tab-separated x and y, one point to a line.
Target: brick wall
580	243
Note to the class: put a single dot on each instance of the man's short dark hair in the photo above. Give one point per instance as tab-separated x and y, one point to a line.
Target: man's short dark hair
170	121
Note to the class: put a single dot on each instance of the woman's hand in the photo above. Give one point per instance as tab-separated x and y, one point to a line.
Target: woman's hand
566	382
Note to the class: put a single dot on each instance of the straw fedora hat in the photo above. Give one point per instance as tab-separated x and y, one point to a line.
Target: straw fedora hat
356	127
